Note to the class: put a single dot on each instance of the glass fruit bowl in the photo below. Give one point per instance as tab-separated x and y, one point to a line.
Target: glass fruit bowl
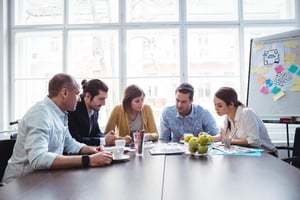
200	149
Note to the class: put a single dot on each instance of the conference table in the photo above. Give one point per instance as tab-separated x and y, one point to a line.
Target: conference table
165	177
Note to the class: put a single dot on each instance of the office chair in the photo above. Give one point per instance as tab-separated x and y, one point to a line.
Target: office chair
6	149
295	159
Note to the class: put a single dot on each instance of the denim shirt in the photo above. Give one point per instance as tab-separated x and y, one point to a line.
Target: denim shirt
43	134
173	125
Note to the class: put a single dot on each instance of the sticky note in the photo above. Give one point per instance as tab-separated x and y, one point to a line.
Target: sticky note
296	80
293	68
299	61
275	90
298	73
261	80
264	90
269	83
278	69
258	46
289	59
278	95
291	44
260	70
295	87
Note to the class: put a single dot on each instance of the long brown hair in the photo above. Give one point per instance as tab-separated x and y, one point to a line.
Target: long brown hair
131	92
228	95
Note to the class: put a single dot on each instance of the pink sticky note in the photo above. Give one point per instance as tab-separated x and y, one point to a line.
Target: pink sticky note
264	90
279	69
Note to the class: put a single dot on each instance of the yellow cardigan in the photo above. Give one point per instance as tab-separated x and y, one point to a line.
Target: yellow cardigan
118	121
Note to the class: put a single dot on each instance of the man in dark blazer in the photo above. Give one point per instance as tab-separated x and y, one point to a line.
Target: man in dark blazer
83	122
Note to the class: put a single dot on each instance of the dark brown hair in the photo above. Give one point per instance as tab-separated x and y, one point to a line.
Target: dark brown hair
131	92
93	86
228	95
186	88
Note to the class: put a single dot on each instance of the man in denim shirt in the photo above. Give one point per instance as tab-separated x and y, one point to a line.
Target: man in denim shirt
185	117
43	135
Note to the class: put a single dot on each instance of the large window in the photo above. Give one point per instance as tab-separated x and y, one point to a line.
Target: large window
156	44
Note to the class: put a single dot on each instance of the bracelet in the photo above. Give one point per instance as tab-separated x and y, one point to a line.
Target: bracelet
85	161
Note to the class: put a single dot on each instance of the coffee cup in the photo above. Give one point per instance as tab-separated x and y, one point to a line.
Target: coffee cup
117	152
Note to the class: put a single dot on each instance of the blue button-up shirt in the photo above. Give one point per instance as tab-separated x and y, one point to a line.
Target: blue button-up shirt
42	135
173	125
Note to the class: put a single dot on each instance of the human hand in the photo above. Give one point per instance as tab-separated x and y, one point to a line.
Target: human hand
99	159
128	139
110	138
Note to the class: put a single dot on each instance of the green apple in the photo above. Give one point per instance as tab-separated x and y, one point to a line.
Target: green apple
193	144
202	149
203	139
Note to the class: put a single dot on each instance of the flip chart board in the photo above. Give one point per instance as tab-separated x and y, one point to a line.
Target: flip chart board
274	75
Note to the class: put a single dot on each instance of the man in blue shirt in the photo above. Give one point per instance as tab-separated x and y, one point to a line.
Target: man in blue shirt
185	117
43	135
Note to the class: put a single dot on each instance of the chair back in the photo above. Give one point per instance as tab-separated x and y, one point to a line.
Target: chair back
6	149
296	150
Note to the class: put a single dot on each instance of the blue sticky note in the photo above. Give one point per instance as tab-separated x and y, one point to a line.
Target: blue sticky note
293	68
298	73
269	83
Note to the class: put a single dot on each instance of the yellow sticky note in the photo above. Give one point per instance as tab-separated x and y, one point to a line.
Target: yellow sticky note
260	70
289	59
296	80
258	46
295	87
299	61
291	44
278	95
261	80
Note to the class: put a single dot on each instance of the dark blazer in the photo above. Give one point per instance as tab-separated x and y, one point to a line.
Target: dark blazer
79	125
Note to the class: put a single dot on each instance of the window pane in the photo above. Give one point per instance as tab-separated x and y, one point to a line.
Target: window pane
266	9
152	53
33	12
29	91
93	53
211	10
213	52
37	54
93	11
152	11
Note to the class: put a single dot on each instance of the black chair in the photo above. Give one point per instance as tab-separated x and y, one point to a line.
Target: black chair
295	159
6	149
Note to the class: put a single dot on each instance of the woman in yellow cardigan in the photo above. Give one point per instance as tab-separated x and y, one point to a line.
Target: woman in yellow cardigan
132	115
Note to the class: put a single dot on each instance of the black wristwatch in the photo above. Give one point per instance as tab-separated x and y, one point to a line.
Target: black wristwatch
85	161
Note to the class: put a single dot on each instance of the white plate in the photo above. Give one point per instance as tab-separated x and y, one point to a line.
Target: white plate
125	157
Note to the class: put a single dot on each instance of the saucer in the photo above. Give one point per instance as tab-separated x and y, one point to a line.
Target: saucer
124	157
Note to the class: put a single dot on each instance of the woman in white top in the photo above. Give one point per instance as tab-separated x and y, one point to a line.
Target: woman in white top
246	128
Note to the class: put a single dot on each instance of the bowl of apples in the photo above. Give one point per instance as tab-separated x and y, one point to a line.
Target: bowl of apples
201	145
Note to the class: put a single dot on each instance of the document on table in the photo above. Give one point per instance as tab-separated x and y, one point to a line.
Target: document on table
237	150
168	149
